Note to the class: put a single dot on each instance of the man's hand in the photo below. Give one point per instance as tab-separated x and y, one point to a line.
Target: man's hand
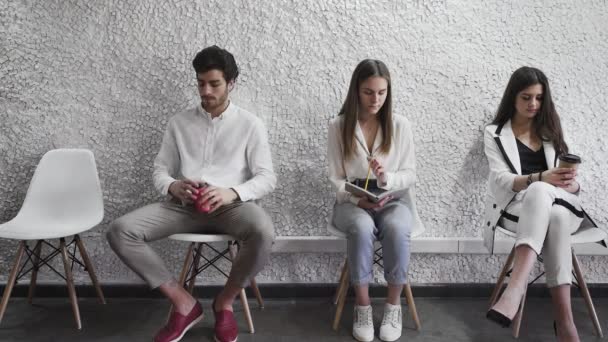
184	190
216	197
364	203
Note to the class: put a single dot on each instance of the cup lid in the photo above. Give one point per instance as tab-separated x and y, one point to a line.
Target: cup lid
570	158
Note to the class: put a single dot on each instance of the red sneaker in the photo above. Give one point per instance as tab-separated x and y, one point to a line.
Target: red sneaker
226	329
178	324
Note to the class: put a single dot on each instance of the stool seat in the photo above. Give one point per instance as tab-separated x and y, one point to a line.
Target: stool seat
196	237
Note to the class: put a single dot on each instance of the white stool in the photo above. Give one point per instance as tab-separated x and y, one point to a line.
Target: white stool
192	268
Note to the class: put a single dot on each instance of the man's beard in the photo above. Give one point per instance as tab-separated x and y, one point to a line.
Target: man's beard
212	105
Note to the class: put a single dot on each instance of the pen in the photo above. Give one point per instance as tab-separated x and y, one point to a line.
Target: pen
369	171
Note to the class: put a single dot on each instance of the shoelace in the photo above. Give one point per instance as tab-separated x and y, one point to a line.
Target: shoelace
364	318
391	317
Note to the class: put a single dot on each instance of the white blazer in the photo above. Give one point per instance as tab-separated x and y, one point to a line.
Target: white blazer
399	163
501	150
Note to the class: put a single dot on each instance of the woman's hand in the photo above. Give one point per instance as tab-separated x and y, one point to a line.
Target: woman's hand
378	171
560	177
364	203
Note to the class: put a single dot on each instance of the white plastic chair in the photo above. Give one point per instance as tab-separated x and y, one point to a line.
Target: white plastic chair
583	235
64	199
344	283
192	268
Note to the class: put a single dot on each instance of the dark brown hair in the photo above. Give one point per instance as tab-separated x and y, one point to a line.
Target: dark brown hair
350	109
546	123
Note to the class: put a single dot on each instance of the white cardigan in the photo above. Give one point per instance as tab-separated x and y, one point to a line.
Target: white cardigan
501	150
399	163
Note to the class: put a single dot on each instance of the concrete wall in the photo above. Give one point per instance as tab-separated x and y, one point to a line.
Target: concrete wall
107	75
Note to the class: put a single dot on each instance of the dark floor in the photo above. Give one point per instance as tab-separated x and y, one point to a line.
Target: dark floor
443	319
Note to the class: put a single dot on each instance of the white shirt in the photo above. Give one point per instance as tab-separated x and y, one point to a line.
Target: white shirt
229	151
399	164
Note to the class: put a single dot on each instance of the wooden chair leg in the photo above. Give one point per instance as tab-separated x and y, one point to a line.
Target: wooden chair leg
197	258
182	276
245	304
585	291
520	313
10	283
343	290
243	295
257	293
337	294
409	297
501	278
90	270
36	266
70	283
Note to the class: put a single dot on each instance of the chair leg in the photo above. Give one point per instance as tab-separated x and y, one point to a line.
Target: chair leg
243	295
11	279
519	315
89	266
501	278
197	258
585	291
257	293
70	283
337	294
343	290
183	275
245	304
36	266
187	261
409	297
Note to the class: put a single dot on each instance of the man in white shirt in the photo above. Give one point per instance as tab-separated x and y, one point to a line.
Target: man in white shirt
213	162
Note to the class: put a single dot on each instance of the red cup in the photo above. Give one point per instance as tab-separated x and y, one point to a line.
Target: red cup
201	207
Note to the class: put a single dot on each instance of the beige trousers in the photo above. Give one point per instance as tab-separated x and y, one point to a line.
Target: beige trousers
246	221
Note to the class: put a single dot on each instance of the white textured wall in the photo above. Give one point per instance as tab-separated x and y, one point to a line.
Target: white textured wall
106	75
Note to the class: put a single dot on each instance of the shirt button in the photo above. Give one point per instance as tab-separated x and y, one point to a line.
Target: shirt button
494	206
489	223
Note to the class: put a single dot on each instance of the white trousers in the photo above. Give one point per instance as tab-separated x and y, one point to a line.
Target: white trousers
543	217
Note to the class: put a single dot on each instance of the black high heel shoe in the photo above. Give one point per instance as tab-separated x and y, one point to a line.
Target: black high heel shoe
498	318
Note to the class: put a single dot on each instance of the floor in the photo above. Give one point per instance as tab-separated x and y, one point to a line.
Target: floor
122	319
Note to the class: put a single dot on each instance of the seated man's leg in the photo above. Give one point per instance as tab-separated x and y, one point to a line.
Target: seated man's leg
251	225
129	236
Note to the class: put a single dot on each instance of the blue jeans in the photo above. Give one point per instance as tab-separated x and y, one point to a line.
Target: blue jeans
391	225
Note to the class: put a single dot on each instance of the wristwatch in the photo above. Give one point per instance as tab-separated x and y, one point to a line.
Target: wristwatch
529	180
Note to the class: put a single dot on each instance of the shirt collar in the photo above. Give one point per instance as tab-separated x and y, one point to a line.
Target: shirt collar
207	115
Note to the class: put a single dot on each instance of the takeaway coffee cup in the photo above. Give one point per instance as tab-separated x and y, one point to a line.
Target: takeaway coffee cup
569	160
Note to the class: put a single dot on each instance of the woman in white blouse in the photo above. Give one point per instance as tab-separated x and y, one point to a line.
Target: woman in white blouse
366	136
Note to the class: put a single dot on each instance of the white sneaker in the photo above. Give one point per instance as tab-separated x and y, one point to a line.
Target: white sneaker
363	325
391	327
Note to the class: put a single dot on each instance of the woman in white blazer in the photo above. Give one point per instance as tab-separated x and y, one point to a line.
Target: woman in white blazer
366	136
530	195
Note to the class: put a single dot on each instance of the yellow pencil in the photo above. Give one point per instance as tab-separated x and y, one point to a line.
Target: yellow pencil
369	171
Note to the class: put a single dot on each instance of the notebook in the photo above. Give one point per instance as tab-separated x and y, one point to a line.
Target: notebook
374	197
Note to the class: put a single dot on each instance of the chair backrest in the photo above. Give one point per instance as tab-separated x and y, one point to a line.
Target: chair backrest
65	188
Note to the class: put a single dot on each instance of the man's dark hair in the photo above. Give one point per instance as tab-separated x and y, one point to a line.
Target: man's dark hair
214	57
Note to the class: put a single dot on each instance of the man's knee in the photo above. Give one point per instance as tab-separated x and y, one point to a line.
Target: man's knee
261	227
118	233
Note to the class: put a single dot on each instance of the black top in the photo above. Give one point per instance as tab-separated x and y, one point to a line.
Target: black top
531	161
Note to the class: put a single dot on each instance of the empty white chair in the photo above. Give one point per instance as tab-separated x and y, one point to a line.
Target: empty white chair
64	199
